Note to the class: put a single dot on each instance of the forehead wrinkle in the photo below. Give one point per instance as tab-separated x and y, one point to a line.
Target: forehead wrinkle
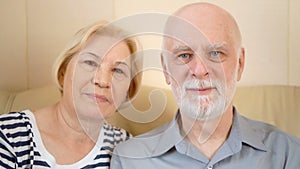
92	54
216	45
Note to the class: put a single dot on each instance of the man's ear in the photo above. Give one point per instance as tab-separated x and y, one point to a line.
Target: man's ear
241	63
164	69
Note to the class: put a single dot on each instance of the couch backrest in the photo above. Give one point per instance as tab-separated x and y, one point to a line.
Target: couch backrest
278	105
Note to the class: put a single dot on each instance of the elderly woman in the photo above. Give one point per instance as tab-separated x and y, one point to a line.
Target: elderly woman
96	73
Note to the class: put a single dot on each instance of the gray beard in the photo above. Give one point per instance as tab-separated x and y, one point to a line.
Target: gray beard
205	107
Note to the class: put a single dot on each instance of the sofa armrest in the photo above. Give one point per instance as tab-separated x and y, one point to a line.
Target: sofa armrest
6	101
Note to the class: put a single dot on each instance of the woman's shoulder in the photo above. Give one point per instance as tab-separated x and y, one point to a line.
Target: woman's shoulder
15	119
15	127
15	124
116	132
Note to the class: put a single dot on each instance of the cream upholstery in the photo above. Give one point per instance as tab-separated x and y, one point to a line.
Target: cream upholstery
278	105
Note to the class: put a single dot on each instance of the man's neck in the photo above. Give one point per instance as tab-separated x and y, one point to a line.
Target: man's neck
208	136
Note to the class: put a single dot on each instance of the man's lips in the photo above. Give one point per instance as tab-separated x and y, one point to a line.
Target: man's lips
201	91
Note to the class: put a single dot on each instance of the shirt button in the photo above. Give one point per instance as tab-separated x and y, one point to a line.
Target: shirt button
210	167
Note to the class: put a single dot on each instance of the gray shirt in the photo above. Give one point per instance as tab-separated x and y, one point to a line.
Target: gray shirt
250	145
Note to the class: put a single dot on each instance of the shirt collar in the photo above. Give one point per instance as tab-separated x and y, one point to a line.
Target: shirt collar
168	136
247	134
153	143
241	132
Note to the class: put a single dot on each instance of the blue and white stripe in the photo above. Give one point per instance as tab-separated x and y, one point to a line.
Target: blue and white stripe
18	144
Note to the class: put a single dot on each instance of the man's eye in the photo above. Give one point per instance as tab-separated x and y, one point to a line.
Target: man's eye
185	56
91	63
216	56
215	53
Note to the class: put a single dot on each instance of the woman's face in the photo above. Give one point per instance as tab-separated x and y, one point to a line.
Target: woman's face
97	78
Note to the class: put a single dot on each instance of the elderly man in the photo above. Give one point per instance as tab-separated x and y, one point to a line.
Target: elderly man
203	59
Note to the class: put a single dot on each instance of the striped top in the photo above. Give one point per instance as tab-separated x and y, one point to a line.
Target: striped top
21	145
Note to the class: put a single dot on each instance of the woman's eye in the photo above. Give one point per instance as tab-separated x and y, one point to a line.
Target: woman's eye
91	63
117	70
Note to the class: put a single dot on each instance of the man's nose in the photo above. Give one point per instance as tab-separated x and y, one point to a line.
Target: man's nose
198	68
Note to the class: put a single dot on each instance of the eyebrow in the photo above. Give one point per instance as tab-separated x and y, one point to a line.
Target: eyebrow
93	54
180	48
121	63
116	63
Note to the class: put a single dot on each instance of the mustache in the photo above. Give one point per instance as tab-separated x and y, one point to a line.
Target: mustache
200	84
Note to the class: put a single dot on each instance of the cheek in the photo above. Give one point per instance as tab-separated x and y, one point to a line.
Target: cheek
232	72
177	74
81	77
220	72
228	77
68	81
120	91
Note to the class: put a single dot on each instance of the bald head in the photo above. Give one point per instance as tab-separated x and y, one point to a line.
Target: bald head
210	20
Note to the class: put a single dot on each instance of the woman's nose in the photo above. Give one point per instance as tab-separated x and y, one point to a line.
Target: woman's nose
102	78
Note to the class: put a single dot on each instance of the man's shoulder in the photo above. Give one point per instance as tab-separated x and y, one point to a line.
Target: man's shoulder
271	134
145	145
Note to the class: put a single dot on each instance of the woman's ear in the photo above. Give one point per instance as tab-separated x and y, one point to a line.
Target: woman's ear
164	69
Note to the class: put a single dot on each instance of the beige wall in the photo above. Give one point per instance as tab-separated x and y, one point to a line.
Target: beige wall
294	42
13	58
33	32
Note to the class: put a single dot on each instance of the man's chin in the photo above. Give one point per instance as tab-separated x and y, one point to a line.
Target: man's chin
204	113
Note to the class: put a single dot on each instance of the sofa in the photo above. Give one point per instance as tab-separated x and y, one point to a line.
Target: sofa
277	105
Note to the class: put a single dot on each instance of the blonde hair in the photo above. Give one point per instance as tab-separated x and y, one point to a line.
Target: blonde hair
80	39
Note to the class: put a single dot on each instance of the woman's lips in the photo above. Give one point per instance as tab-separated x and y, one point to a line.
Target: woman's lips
99	98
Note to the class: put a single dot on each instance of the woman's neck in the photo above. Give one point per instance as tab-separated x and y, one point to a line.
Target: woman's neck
78	128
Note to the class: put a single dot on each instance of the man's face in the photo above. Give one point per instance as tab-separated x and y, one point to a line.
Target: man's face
202	66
